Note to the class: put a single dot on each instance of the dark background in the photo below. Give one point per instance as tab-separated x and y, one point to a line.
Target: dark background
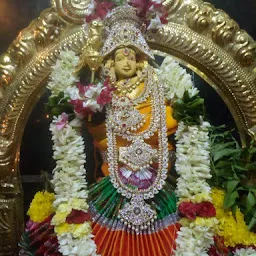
36	145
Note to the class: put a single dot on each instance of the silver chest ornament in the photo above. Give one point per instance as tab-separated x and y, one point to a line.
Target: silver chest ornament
124	120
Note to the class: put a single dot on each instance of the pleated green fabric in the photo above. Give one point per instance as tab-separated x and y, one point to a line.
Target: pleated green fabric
107	201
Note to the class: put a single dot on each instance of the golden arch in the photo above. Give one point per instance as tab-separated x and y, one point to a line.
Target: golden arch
197	33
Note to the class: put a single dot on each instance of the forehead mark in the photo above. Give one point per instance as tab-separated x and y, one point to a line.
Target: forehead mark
125	52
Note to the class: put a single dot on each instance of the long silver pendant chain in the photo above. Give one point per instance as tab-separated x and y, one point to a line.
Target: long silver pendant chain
137	214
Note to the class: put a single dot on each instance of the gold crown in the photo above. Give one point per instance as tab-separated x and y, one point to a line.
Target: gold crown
123	26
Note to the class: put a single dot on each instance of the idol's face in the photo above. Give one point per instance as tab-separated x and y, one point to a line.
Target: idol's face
125	63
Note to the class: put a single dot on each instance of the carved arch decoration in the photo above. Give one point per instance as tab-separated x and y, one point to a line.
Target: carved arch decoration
197	33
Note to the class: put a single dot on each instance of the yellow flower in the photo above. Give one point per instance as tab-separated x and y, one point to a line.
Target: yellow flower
199	221
65	208
80	230
59	217
184	222
79	204
218	197
41	206
62	228
206	222
77	230
201	198
233	230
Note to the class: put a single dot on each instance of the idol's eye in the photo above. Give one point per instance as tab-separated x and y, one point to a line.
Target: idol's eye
119	58
132	58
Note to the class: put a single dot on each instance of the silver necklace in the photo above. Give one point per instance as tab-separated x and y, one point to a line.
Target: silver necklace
137	214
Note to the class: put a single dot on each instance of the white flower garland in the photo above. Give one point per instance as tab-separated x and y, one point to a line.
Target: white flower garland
62	76
69	179
192	164
175	79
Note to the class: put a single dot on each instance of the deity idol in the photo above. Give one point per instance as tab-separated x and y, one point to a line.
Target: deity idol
133	208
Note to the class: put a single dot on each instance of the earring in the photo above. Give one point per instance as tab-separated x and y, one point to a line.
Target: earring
108	71
141	65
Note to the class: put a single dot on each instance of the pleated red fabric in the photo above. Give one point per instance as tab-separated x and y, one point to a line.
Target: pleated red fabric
121	243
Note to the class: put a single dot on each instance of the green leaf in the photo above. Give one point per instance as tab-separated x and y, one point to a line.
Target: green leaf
233	209
231	184
223	164
252	222
252	150
61	95
221	146
224	153
253	190
250	202
55	111
230	199
52	102
225	173
251	166
240	168
188	109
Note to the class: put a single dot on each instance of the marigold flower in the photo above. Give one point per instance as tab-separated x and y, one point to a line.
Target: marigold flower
59	218
62	228
41	206
233	229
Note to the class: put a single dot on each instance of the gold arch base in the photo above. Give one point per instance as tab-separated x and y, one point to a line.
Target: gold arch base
197	33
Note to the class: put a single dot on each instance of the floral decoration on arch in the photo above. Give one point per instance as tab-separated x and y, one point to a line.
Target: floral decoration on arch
151	12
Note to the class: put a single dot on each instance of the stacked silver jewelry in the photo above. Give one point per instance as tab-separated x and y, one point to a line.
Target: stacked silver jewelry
138	155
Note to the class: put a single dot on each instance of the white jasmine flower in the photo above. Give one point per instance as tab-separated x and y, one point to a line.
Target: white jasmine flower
72	92
62	75
92	105
155	23
245	252
94	91
156	1
175	79
77	122
91	8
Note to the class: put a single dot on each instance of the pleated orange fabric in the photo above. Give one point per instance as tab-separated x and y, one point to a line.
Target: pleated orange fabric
121	243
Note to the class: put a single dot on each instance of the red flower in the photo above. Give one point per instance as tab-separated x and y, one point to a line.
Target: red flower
188	210
82	88
206	209
164	17
219	244
106	94
213	251
78	105
101	10
142	6
191	210
80	109
77	217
